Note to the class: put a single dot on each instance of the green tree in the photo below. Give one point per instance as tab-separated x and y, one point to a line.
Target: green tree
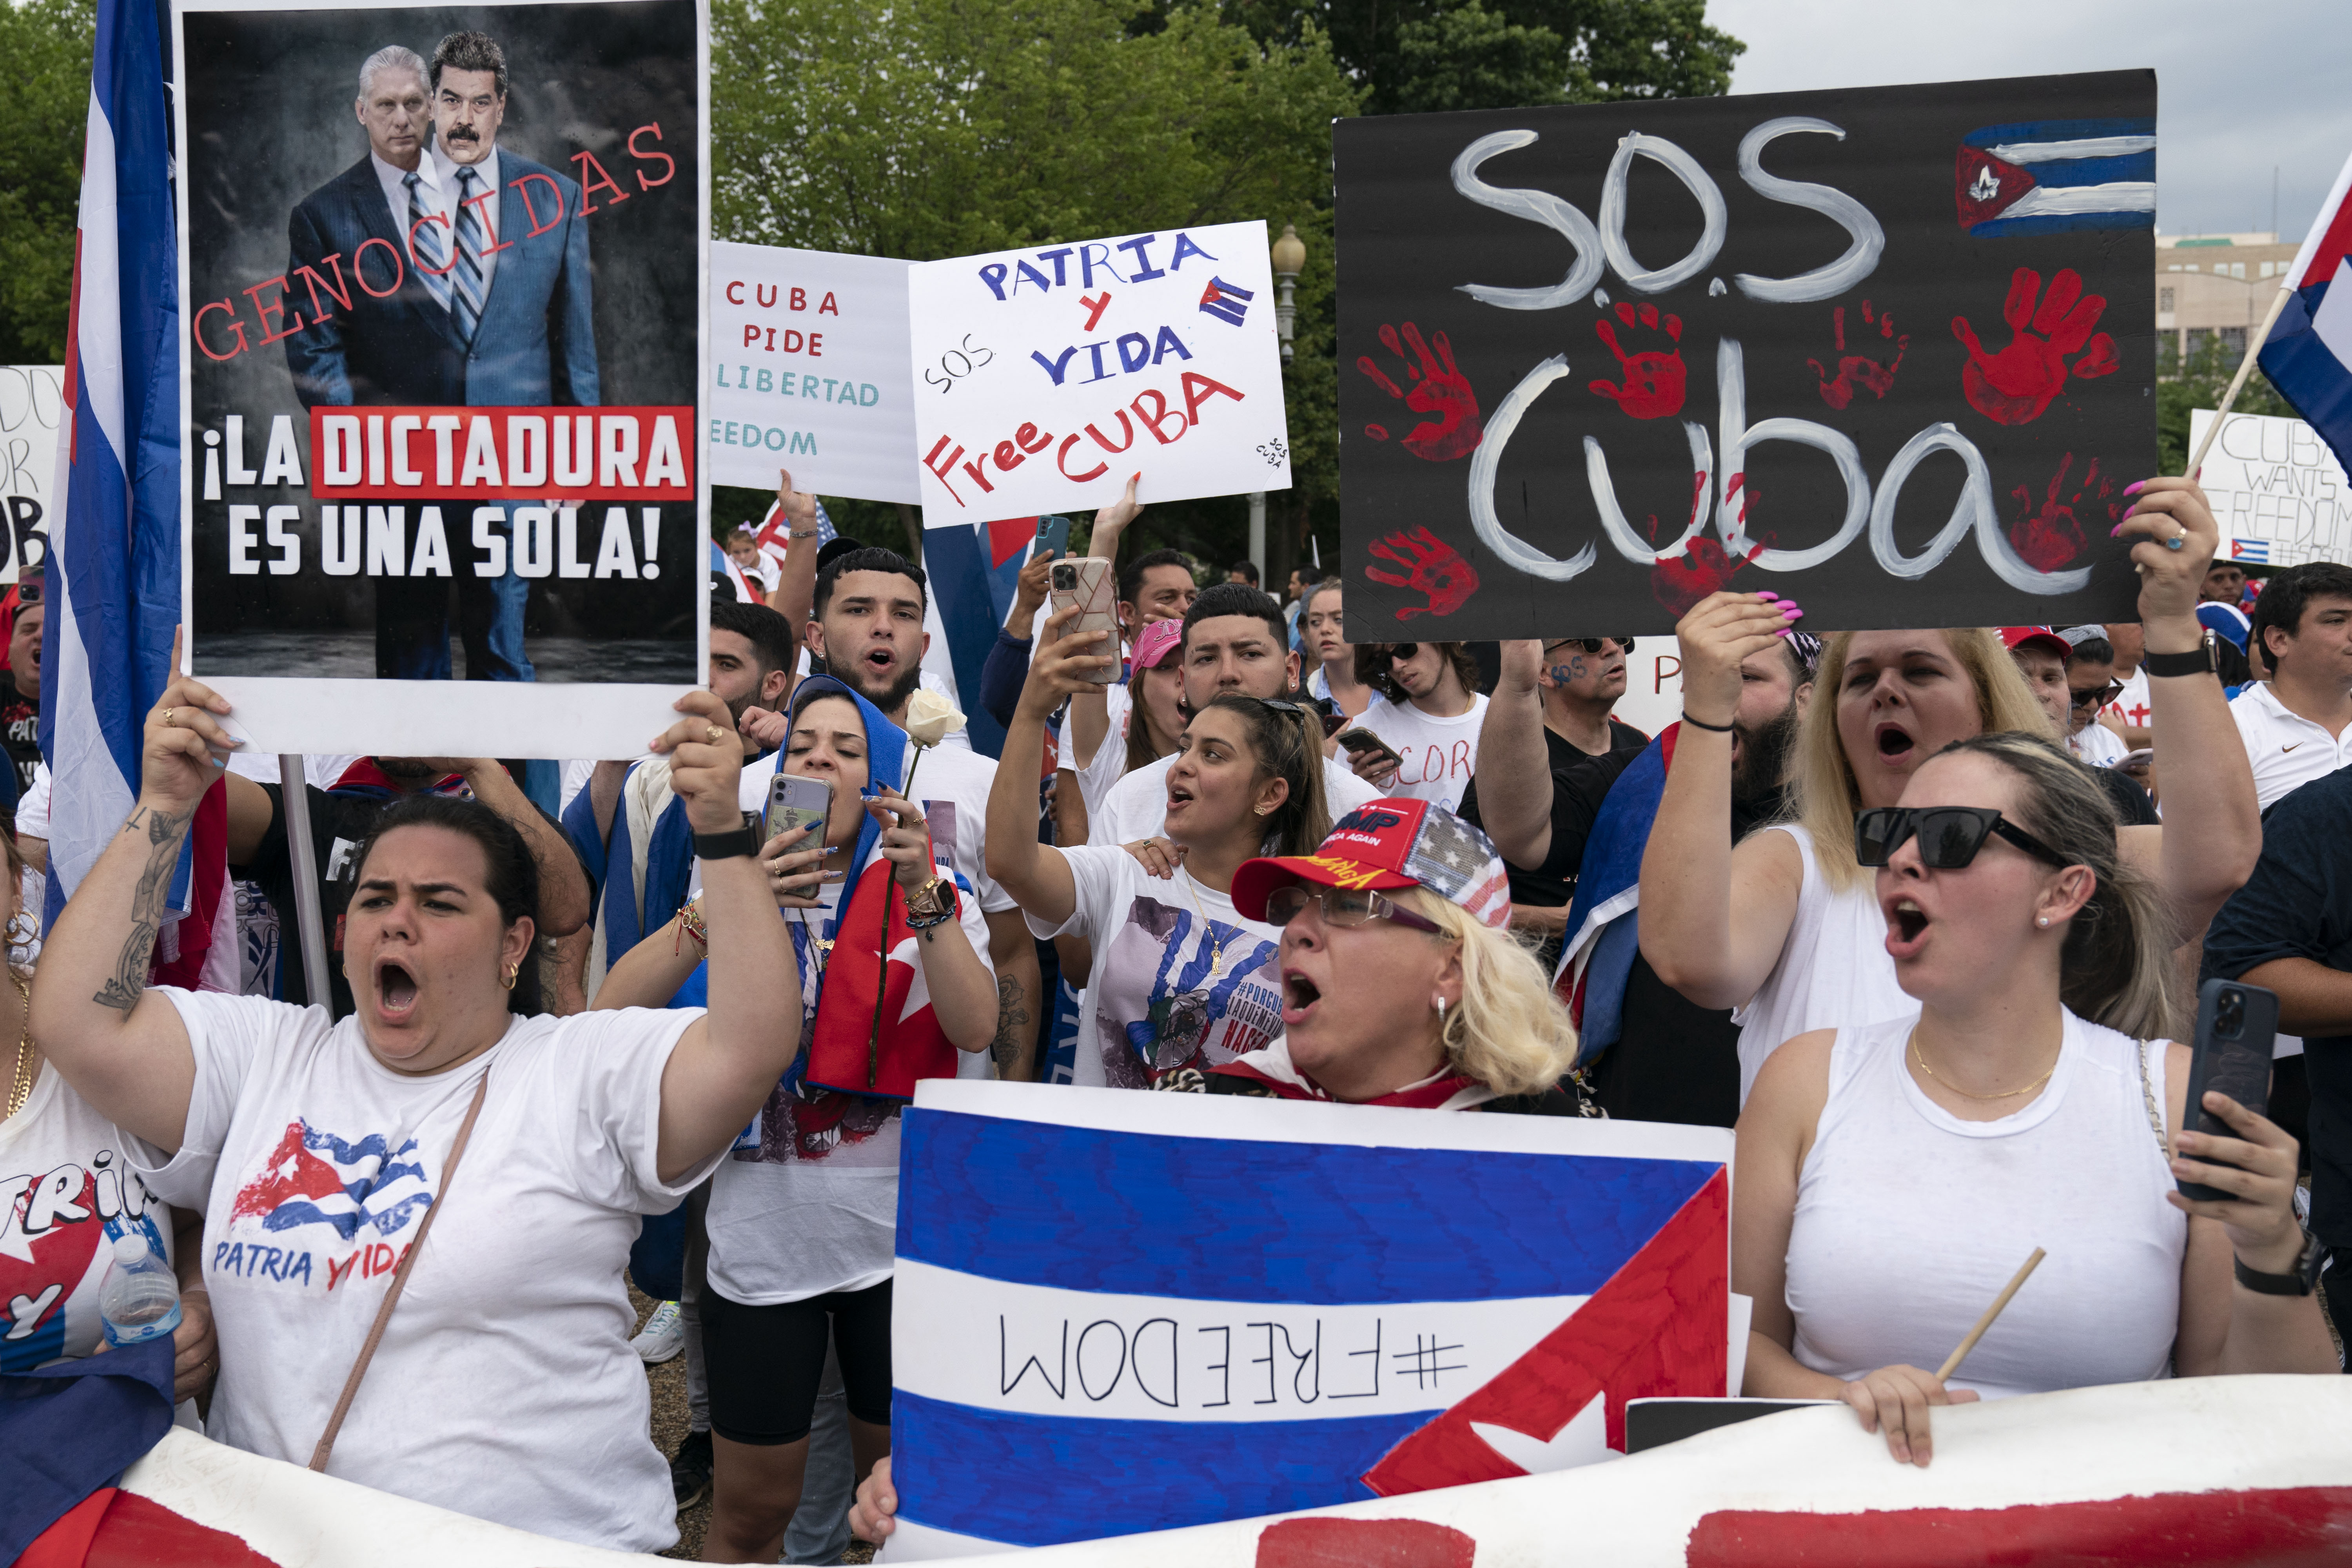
45	46
2198	380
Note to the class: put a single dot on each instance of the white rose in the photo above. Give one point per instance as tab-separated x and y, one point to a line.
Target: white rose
931	718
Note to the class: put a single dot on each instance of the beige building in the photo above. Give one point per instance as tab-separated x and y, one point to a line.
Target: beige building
2221	285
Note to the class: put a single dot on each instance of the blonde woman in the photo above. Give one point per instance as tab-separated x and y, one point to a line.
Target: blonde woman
1401	983
1783	928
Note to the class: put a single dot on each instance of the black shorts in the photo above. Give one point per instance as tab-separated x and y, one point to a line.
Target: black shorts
765	1363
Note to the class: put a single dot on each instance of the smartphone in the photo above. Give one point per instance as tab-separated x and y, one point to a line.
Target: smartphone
1052	537
2236	1023
796	801
2133	762
1088	582
1364	740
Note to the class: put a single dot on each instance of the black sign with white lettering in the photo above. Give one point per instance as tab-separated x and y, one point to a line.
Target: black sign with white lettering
1888	351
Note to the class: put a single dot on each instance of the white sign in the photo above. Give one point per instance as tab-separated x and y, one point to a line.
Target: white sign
808	372
1045	377
2277	491
32	408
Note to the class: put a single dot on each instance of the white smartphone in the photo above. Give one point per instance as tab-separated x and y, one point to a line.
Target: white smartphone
1086	582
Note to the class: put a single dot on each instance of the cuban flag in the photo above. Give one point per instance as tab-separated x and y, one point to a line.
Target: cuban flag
1603	935
2052	177
2308	353
1118	1311
114	567
2257	551
974	569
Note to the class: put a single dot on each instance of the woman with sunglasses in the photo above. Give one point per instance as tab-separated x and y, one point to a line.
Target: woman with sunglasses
1427	710
1891	1176
2091	685
1783	927
1178	977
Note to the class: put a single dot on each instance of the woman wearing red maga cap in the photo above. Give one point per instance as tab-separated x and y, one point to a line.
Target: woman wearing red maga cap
1402	983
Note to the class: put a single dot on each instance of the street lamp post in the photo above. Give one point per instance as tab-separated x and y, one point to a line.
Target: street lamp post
1289	257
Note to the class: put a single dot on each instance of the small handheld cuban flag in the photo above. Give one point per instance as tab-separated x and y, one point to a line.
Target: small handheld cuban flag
2307	354
2052	177
1118	1311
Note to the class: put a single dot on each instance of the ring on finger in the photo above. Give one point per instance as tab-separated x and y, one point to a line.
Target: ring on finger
712	734
2176	541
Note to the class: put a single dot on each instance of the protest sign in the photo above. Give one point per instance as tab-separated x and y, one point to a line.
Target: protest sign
1887	351
1119	1312
2277	491
1045	377
441	272
808	372
31	407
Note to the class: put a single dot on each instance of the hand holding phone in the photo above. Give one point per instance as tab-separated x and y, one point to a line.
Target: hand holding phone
1088	582
2236	1023
795	802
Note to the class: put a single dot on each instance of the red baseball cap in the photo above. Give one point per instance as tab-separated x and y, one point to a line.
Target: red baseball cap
1387	843
2042	637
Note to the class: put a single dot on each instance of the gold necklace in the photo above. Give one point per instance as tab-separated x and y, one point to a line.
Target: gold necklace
2005	1094
1216	943
21	1087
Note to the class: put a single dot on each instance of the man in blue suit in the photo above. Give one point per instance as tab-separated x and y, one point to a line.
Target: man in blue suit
491	308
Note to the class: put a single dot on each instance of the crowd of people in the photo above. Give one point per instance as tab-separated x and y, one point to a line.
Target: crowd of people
1919	915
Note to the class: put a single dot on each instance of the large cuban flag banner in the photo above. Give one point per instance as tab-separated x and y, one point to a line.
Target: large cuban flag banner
1118	1312
2308	353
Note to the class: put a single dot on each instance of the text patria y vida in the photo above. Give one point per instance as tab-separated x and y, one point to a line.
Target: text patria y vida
1080	269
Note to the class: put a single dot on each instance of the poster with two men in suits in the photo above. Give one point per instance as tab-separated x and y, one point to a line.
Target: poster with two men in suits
441	290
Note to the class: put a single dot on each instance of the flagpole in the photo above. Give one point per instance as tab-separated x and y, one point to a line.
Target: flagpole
2246	368
303	852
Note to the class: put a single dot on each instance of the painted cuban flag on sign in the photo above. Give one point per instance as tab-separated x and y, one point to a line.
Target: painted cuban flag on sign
2049	176
1119	1311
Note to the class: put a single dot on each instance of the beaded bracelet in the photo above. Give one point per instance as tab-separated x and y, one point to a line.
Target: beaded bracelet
689	924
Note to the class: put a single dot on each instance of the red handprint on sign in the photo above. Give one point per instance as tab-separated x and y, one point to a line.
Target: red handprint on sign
2016	384
1859	370
1437	388
1653	379
1430	567
2051	537
1703	568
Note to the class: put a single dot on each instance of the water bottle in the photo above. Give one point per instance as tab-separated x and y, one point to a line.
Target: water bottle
140	1300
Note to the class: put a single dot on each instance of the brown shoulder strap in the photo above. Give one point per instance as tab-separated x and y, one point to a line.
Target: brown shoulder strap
319	1455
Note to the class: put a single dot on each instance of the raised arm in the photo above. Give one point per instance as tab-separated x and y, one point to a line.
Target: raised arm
1714	919
2212	831
962	983
726	1061
795	594
1514	766
122	1046
1036	874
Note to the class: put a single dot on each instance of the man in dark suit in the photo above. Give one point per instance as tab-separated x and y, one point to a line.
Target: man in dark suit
491	308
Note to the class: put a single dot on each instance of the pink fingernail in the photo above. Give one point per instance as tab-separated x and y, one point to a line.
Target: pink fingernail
1785	631
2116	532
2133	490
1768	596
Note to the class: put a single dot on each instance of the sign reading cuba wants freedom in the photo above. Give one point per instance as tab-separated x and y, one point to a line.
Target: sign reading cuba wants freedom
1887	351
1045	377
441	277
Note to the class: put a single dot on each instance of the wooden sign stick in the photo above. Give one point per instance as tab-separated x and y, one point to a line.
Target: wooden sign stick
2246	368
1952	1362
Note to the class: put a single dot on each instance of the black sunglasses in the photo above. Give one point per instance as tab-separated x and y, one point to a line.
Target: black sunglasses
2096	696
1591	645
1403	650
1949	836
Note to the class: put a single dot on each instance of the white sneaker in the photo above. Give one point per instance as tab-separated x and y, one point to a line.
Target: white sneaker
663	1336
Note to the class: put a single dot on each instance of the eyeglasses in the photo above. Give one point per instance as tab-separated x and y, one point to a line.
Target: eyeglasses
1591	645
1949	836
1289	710
1340	907
2096	696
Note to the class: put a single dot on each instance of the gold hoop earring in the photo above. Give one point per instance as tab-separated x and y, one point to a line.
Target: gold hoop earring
514	973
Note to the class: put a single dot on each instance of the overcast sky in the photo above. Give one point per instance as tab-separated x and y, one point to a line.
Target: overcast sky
2241	84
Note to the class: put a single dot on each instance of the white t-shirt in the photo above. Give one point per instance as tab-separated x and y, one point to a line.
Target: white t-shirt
2131	706
504	1386
1180	979
66	1191
1108	764
1439	756
2097	745
2284	748
814	1207
1137	807
33	888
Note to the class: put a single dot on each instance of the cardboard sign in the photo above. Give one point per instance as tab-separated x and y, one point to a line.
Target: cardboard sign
443	473
1043	378
808	372
2277	491
1886	351
1117	1311
32	410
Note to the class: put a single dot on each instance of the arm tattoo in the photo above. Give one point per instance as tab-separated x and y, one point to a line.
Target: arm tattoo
163	833
1011	1017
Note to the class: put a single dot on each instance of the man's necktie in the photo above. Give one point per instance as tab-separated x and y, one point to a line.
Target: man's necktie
466	298
424	238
